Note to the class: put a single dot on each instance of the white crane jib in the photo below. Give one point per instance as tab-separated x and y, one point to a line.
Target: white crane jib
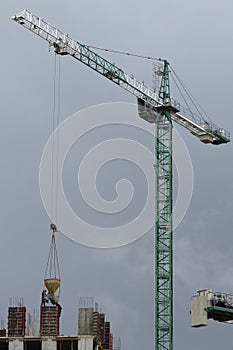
207	132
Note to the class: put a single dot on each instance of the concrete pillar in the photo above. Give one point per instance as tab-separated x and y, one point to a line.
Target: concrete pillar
16	344
85	321
85	343
49	344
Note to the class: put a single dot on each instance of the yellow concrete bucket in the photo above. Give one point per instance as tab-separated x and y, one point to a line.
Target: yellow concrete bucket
52	284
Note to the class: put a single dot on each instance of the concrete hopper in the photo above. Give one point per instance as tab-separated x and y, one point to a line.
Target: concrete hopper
52	284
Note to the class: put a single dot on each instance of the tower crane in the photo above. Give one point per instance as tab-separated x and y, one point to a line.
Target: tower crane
155	107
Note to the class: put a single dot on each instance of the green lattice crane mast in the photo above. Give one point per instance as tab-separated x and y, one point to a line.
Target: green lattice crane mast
155	107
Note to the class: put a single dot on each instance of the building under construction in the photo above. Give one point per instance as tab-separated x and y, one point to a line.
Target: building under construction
25	333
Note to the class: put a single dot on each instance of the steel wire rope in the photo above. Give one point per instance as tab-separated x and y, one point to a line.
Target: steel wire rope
52	266
52	262
181	93
125	53
53	138
57	128
195	103
56	263
48	269
58	91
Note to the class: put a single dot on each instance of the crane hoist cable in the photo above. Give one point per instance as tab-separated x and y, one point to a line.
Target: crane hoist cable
52	281
55	138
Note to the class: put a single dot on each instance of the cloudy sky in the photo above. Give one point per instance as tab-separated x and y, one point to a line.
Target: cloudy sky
196	38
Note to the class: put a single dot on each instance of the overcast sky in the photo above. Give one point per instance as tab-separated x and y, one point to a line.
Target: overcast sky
196	38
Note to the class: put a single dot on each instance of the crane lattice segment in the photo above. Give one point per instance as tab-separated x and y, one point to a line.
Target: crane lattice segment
163	226
64	45
163	234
